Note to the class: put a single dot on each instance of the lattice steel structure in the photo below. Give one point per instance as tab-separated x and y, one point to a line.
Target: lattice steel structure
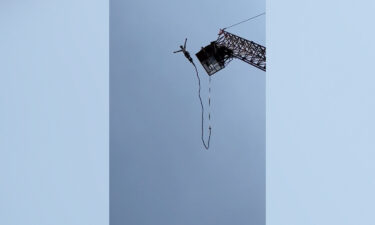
219	53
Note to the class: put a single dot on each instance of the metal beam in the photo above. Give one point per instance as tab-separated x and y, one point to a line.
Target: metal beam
245	50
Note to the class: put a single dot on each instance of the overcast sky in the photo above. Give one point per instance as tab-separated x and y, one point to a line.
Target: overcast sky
160	172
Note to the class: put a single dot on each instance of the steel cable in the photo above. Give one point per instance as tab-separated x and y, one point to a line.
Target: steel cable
245	20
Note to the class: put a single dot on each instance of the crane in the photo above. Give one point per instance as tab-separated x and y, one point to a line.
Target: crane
228	46
217	55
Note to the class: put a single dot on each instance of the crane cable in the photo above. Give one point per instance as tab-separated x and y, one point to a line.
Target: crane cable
263	13
207	146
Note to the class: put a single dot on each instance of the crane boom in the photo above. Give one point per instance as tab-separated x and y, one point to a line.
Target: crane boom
245	50
219	53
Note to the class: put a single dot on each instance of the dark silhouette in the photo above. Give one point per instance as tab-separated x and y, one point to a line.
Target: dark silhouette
186	53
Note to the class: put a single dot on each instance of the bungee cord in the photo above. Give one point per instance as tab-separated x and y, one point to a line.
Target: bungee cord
187	55
207	146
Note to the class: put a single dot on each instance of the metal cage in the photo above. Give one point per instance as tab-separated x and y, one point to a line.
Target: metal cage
214	57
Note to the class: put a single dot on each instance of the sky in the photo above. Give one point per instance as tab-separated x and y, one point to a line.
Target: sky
160	172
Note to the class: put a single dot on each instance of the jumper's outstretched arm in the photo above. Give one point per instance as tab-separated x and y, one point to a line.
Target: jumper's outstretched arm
177	51
185	43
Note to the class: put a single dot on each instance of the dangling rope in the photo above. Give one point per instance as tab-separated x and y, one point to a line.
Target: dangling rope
245	20
187	55
209	102
207	146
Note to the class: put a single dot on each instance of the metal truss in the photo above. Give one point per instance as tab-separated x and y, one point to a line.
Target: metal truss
245	50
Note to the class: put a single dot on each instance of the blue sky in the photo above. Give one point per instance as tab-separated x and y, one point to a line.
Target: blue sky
160	172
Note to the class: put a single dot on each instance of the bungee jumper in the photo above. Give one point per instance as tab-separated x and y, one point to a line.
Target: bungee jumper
186	53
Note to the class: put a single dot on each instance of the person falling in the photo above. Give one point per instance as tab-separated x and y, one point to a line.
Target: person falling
186	53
